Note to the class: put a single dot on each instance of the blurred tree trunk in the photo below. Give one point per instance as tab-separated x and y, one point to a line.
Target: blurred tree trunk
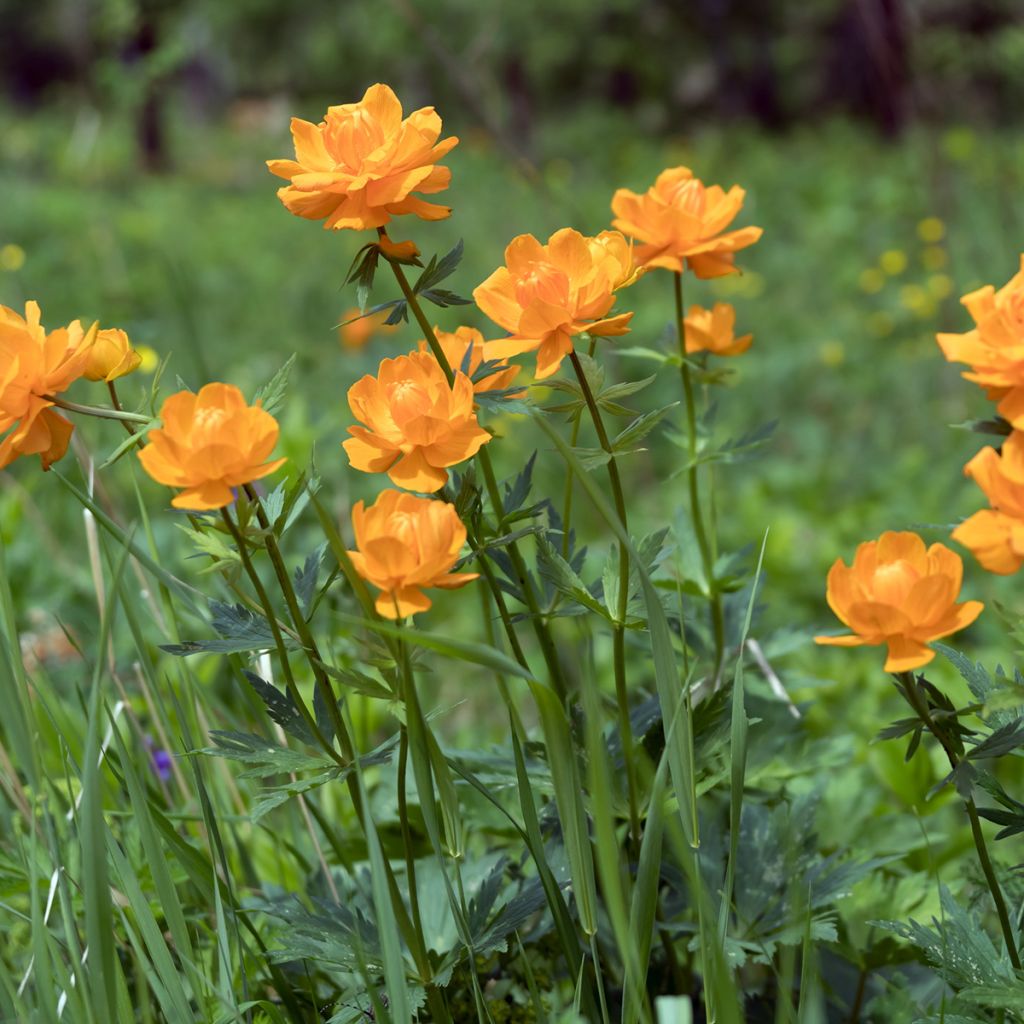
150	133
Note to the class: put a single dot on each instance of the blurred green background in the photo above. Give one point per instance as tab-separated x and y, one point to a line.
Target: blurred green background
880	144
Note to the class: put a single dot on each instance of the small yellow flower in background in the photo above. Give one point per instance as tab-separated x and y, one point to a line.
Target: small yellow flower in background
12	257
209	443
940	285
360	166
547	294
994	349
405	543
931	229
416	425
871	280
355	329
934	257
111	356
148	359
34	366
900	594
995	536
682	222
893	261
456	343
712	330
917	300
832	353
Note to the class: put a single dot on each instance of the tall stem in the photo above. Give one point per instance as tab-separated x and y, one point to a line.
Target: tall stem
622	604
693	481
914	697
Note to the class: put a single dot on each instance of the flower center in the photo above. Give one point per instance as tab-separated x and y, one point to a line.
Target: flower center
408	399
208	419
542	282
688	196
892	582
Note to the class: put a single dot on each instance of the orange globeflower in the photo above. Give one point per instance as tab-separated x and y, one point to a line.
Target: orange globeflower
712	330
361	164
546	294
34	366
455	344
406	543
355	330
416	424
111	356
681	221
209	443
995	347
995	536
900	594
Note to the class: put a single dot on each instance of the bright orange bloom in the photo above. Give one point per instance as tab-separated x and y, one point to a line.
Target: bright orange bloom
34	366
359	167
682	221
712	330
456	343
995	536
415	423
546	294
406	543
995	347
209	443
900	594
355	330
111	356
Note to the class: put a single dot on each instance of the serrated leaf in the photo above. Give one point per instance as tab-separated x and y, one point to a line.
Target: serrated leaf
518	491
239	629
591	458
139	432
1005	739
271	395
306	577
640	428
557	571
281	707
437	270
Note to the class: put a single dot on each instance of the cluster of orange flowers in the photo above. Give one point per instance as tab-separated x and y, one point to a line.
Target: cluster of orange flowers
363	165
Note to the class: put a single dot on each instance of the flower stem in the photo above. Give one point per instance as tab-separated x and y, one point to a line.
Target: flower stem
98	410
693	480
920	705
622	605
577	419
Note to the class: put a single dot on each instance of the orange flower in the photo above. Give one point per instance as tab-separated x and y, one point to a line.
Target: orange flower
455	344
359	166
111	356
416	424
995	536
900	594
546	294
209	443
34	366
406	543
355	330
711	330
682	222
995	347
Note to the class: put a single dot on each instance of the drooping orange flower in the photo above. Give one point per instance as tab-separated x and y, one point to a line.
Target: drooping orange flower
995	536
683	222
355	330
455	344
901	594
111	356
360	166
995	347
547	294
209	443
712	330
415	423
34	366
406	543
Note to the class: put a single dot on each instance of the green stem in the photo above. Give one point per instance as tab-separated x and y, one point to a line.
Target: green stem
920	705
97	410
567	501
693	481
403	818
619	626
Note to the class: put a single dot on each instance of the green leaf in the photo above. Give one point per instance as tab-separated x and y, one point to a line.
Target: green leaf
271	395
281	707
640	428
239	628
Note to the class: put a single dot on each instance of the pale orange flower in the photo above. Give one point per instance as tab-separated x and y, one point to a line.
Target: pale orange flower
34	366
901	594
416	424
712	330
356	330
547	294
406	543
995	347
360	166
111	356
995	536
209	443
456	343
683	222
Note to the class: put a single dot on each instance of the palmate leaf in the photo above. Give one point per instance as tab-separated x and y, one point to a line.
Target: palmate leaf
281	707
239	630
